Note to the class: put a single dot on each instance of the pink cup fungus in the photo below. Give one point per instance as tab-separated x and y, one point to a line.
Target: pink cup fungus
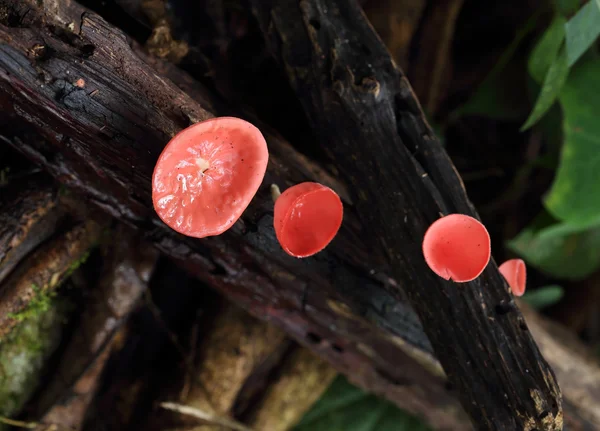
207	175
457	247
307	218
515	272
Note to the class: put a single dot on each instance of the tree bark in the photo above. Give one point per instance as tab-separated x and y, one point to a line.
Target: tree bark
363	110
103	139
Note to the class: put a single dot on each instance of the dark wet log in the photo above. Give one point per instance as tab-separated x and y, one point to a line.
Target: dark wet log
363	110
78	101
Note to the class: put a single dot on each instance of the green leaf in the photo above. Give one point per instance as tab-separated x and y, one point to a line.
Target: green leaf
566	7
553	83
559	250
546	50
544	296
575	194
582	30
500	95
344	407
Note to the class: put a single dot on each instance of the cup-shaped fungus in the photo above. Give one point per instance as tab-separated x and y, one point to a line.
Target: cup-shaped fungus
457	247
515	272
207	175
307	218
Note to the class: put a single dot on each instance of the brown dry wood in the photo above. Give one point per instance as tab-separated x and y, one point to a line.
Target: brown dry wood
103	140
28	216
237	345
396	22
432	70
303	379
367	117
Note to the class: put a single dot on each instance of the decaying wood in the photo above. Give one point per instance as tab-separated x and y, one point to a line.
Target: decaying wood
303	379
128	266
363	110
103	139
28	216
44	270
230	353
576	368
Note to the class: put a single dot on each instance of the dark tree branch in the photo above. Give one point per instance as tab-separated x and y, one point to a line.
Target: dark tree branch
363	109
76	100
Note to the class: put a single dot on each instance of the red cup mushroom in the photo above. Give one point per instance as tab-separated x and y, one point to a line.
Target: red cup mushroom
457	247
307	218
515	272
207	175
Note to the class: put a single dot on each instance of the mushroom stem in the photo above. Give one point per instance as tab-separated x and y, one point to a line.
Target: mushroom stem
275	192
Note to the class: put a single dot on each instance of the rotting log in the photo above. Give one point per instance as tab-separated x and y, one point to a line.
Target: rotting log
362	109
103	139
302	381
127	268
102	135
42	271
28	216
229	354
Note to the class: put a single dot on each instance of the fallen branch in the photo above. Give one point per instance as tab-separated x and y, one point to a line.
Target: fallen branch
363	110
31	283
205	417
127	267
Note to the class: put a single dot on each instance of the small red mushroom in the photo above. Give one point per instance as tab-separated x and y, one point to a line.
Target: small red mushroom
457	247
307	218
515	272
207	175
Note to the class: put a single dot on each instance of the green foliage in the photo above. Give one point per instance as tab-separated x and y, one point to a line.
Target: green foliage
566	7
582	30
558	249
544	296
41	302
574	196
553	82
546	50
344	407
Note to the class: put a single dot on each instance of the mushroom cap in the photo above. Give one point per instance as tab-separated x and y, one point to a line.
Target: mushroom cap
515	272
207	175
457	247
307	218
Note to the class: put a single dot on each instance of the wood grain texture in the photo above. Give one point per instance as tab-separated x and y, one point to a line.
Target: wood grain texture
364	111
